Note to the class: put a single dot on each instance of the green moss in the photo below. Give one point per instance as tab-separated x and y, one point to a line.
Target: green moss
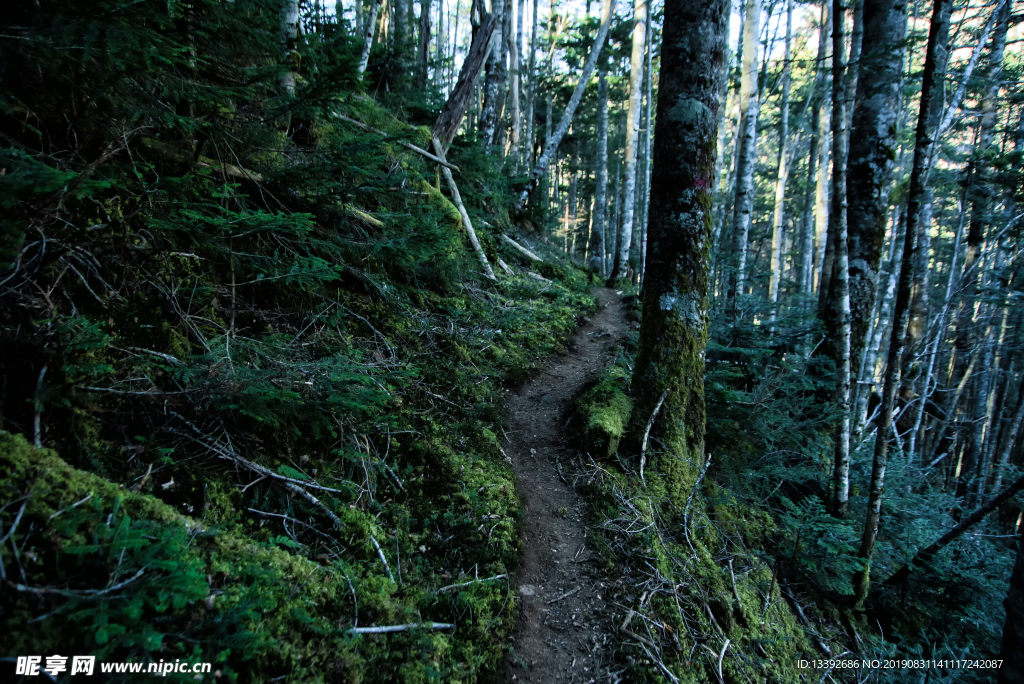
601	413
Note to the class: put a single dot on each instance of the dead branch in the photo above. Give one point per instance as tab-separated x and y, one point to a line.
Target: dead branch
414	148
387	568
522	249
462	212
647	434
466	584
564	596
401	628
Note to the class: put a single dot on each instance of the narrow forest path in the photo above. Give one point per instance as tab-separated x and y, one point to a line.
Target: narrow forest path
565	622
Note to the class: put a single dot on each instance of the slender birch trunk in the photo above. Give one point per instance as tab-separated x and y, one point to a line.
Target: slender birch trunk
289	36
371	25
531	84
551	144
597	246
815	168
515	50
778	216
649	134
636	74
746	151
840	298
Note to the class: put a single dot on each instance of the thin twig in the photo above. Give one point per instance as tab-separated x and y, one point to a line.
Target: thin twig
647	434
466	584
380	552
564	596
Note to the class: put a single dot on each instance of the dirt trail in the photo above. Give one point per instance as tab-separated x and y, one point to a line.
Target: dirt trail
564	625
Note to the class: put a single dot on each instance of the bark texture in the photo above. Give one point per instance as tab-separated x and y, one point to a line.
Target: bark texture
873	149
364	58
673	334
839	290
458	102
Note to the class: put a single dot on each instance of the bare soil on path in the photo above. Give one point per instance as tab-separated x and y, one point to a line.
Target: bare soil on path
565	631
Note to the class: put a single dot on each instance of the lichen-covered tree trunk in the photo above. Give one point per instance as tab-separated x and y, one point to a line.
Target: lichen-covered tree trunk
923	141
597	244
636	76
673	333
746	151
873	149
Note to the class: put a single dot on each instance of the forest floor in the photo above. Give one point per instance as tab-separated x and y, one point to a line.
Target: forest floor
566	616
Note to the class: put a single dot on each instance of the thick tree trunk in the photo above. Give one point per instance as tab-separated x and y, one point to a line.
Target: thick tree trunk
597	245
873	149
458	102
636	76
673	334
746	153
551	144
839	288
924	139
779	215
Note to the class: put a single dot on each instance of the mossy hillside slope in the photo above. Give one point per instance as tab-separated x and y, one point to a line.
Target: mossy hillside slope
256	334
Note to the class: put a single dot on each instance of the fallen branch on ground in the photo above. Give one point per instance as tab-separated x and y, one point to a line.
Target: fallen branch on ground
522	249
466	584
388	629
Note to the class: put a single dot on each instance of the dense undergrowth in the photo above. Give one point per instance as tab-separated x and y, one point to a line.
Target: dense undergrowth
252	343
752	556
